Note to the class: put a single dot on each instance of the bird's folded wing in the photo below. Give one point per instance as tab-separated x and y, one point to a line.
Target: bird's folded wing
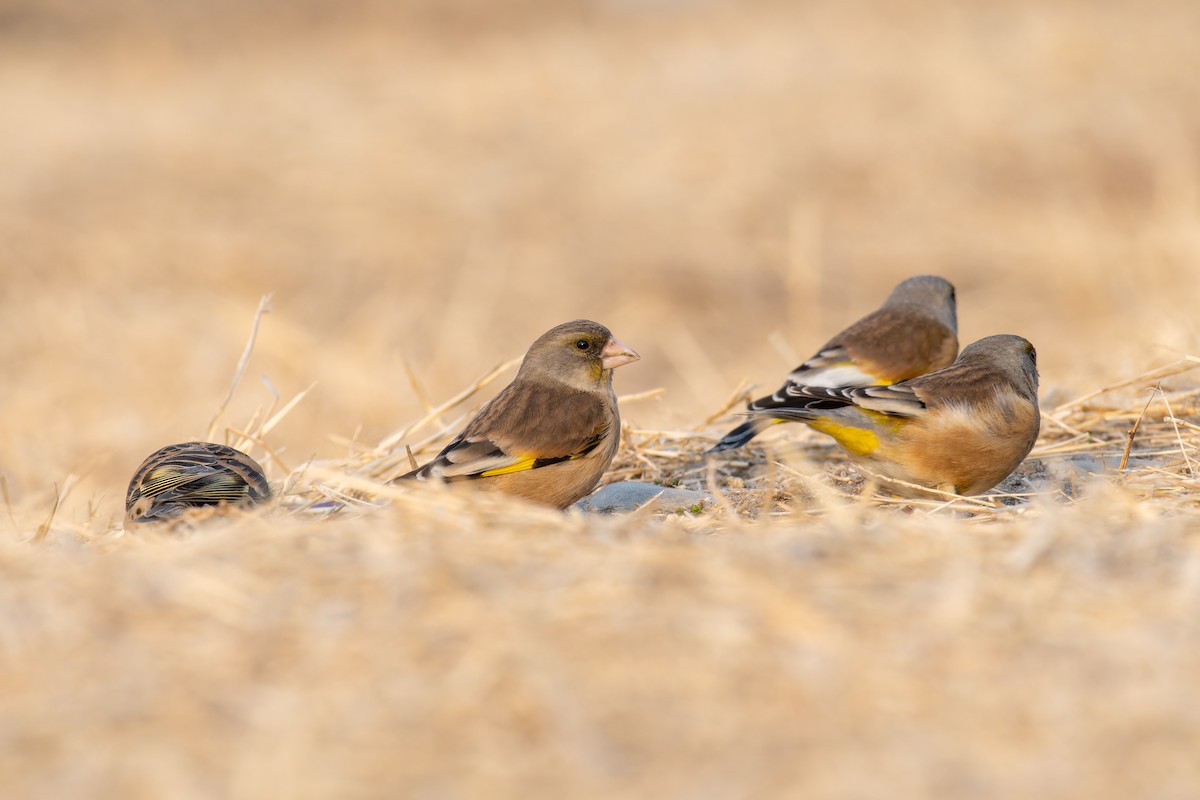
166	483
832	366
483	458
521	430
897	401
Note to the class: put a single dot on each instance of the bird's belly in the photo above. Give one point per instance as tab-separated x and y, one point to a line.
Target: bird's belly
557	485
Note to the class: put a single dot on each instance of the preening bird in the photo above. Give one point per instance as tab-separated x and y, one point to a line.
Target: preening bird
178	477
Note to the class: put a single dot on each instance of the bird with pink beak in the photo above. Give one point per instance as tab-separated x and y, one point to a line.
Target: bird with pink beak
550	434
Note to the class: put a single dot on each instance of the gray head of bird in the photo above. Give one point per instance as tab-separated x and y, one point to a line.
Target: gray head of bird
931	294
581	353
1013	356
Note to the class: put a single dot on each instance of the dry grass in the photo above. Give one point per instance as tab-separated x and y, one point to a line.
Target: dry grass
423	187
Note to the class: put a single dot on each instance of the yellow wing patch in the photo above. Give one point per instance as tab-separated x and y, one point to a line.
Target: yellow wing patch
522	464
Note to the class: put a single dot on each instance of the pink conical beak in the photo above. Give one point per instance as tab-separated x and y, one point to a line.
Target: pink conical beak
616	354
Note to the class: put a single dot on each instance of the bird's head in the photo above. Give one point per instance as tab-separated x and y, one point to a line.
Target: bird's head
581	353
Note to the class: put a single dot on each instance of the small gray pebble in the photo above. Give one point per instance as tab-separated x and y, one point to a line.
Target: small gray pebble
631	495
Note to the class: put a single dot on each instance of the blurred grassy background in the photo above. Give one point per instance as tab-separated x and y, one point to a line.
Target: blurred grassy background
438	183
441	182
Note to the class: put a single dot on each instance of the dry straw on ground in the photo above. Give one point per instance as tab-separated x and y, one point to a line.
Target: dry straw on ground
426	186
799	633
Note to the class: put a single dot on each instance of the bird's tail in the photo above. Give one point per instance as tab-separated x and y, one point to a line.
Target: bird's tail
799	404
742	434
419	474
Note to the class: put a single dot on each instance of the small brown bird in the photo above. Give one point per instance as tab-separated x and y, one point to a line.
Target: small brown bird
961	429
550	434
192	475
914	332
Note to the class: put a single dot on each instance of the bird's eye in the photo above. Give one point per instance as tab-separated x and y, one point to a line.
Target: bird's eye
583	344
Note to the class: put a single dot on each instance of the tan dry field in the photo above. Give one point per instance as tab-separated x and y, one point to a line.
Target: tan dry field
423	188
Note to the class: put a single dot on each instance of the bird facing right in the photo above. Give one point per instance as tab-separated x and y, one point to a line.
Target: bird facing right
961	429
549	435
